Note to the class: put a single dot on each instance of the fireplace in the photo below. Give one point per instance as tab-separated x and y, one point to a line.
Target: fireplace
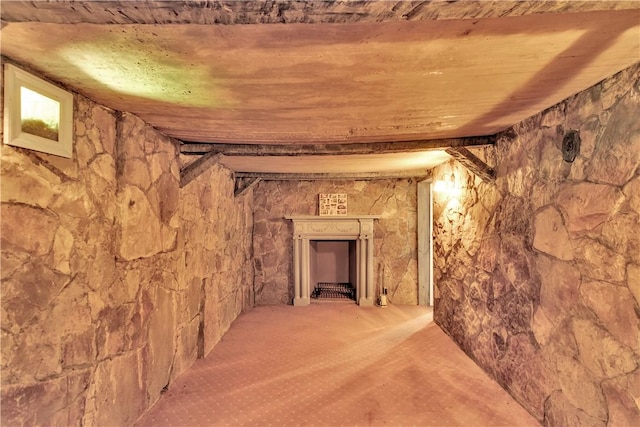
356	229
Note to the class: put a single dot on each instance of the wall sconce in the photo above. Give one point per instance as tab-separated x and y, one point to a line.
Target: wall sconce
447	185
571	146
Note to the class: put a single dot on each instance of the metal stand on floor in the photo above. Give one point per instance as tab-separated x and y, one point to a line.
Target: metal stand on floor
338	291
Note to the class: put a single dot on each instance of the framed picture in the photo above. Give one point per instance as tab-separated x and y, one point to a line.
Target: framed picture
37	114
332	204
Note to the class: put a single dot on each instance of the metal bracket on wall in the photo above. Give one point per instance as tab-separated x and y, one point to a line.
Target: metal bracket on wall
473	163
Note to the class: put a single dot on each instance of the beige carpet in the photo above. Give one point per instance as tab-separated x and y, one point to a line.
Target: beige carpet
336	364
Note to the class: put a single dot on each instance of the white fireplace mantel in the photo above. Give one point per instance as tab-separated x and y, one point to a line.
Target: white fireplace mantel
358	228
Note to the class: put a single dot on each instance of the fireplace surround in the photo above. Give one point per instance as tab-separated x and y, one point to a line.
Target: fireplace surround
307	228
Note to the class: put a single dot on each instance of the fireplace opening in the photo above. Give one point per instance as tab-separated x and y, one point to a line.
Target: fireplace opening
332	265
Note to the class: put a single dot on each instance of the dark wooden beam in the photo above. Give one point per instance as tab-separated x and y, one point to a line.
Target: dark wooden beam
195	169
473	163
357	176
241	185
335	149
286	11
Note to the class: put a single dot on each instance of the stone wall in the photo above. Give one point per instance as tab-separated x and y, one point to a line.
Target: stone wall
395	250
113	278
537	277
218	253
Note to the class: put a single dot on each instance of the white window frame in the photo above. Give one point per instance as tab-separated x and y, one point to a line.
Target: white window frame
14	79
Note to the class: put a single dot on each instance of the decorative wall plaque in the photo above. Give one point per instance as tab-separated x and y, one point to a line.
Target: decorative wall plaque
332	204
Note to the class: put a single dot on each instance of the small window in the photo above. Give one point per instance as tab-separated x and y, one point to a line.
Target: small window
37	114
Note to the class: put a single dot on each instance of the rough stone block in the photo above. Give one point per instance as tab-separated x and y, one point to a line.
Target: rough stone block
27	229
186	348
597	261
104	120
74	201
515	261
110	336
559	290
100	264
621	234
11	262
622	322
600	352
161	342
489	250
541	327
35	356
24	181
632	192
29	290
530	380
62	245
623	396
559	412
119	394
587	205
79	349
551	236
135	173
59	401
581	388
131	134
168	187
103	165
134	240
84	149
615	163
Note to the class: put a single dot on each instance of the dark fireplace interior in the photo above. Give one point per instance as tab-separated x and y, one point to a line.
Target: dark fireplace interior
332	265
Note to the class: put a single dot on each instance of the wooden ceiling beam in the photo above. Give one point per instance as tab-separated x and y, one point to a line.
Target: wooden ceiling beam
242	185
195	169
285	11
334	149
357	176
473	163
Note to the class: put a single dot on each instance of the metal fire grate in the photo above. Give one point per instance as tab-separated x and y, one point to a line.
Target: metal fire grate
334	291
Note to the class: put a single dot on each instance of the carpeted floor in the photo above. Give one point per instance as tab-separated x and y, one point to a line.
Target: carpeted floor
336	364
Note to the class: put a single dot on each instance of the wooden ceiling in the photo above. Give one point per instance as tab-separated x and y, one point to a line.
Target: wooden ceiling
367	74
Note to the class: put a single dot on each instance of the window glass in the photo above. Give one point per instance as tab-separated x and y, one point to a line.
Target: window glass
39	115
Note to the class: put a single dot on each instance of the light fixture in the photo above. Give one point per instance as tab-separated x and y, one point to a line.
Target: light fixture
446	185
570	146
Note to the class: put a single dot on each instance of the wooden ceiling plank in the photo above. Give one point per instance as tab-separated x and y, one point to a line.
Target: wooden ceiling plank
335	149
286	11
